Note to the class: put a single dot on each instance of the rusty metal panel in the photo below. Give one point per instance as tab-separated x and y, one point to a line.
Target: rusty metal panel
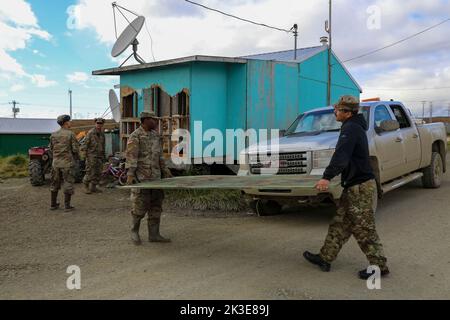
261	182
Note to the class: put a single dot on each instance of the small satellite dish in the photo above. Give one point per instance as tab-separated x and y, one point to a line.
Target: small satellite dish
114	105
128	36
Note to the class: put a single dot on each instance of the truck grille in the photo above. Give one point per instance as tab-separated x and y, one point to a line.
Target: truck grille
289	163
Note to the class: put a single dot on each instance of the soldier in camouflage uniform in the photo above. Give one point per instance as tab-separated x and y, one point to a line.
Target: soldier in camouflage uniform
355	215
94	150
145	162
65	150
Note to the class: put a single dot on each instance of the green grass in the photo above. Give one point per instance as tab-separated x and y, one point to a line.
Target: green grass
221	200
14	166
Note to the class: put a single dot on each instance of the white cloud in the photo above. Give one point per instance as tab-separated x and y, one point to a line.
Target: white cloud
17	88
41	81
78	77
179	29
18	12
18	25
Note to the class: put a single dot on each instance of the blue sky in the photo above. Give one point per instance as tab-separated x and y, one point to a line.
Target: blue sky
42	56
67	52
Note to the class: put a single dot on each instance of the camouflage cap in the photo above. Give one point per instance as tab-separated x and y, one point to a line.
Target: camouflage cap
348	103
99	120
63	119
147	114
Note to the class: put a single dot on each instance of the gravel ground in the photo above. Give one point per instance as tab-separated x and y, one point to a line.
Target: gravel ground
214	255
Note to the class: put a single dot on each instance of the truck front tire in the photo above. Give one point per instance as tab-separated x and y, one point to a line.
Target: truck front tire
432	175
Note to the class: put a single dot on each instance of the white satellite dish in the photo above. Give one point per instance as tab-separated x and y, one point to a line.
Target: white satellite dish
128	36
114	105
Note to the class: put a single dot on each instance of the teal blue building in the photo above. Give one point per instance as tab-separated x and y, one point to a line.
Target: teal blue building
265	91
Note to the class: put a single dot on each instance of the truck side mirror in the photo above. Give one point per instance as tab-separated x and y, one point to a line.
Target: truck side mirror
389	125
282	133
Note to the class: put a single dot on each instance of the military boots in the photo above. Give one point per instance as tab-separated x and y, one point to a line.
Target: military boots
87	190
317	260
94	188
153	231
67	206
135	231
54	198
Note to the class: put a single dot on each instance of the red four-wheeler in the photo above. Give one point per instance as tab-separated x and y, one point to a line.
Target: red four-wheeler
40	164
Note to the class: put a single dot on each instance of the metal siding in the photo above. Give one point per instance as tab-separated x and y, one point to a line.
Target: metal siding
313	82
208	101
11	144
236	100
260	99
342	83
286	95
172	79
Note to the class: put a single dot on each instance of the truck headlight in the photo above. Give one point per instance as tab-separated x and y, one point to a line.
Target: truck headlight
321	159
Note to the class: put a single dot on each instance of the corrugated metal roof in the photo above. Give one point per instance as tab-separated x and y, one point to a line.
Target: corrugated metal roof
288	55
119	70
28	126
303	54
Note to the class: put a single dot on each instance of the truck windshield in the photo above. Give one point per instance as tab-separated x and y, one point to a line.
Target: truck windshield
319	121
314	122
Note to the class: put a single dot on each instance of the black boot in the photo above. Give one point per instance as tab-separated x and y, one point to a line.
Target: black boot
153	232
364	275
54	199
67	206
135	231
317	260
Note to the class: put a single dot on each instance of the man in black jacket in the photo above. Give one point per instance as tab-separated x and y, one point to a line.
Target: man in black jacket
354	215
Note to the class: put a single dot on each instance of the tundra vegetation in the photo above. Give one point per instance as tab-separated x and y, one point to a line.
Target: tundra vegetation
14	166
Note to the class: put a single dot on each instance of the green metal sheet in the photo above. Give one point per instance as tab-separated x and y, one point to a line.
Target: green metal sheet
264	182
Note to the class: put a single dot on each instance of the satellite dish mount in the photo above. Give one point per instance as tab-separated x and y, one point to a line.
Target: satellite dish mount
128	36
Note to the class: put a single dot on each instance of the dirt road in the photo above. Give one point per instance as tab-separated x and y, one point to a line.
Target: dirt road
214	255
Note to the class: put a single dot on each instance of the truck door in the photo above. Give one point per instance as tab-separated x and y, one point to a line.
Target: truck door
389	146
411	139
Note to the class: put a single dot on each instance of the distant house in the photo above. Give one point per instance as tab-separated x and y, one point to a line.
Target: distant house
18	135
259	91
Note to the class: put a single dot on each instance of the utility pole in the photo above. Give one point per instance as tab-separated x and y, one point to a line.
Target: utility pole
14	109
70	102
295	28
329	30
423	109
431	111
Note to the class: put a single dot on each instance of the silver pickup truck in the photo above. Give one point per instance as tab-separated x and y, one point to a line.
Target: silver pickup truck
400	151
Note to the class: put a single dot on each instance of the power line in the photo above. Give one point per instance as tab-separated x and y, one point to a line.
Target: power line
397	42
236	17
151	41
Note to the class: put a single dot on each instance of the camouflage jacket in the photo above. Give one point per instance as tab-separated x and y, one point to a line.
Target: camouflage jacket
64	147
145	157
94	144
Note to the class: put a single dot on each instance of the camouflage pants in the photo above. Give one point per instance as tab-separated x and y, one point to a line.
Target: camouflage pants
355	217
146	201
94	167
64	177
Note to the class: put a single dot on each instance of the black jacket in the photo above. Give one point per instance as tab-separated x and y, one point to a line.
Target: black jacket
351	158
